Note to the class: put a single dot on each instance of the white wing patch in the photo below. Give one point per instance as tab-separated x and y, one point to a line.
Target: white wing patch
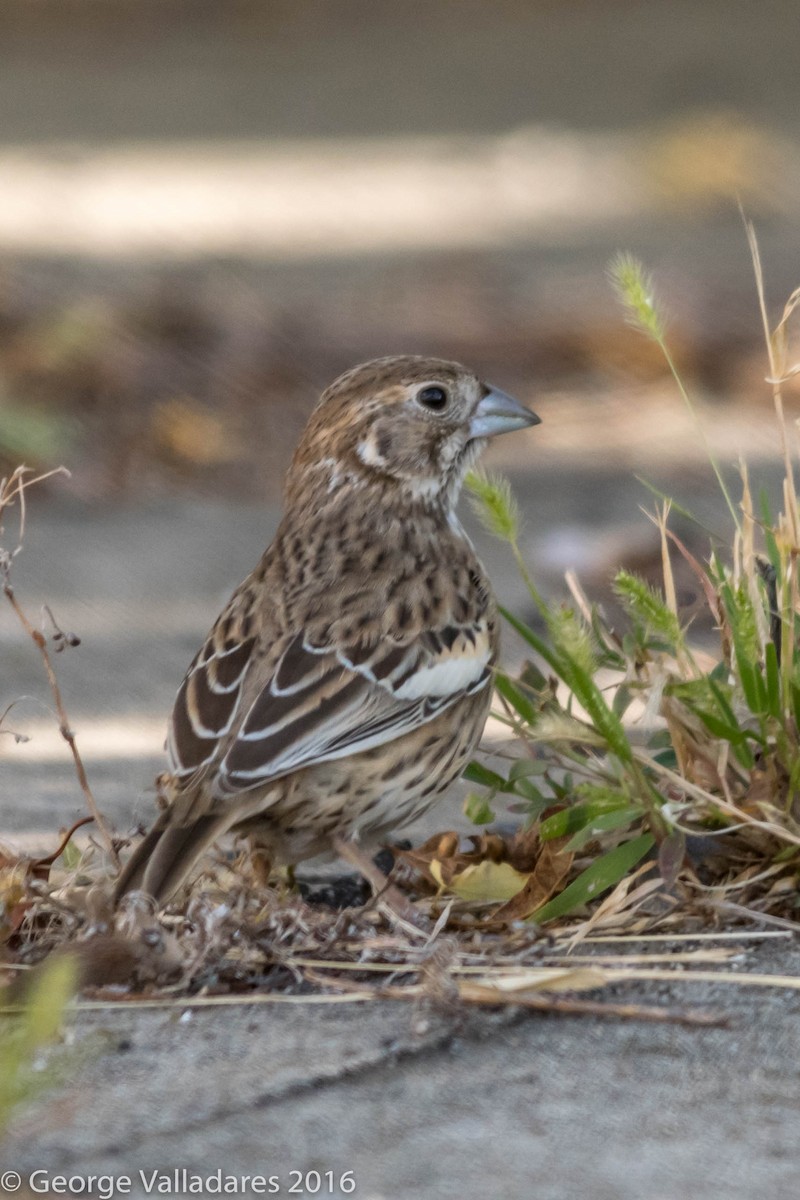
453	673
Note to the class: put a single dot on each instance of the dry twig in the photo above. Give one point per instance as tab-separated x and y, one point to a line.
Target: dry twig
12	490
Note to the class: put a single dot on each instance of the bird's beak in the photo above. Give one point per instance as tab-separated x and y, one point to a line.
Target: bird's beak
500	413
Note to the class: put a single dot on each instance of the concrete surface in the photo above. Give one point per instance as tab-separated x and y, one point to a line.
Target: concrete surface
496	1105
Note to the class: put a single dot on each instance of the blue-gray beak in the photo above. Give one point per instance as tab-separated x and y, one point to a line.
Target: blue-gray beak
500	413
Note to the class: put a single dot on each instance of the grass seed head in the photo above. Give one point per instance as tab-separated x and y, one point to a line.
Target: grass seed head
634	287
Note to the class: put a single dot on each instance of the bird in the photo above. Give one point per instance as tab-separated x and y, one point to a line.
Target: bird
346	682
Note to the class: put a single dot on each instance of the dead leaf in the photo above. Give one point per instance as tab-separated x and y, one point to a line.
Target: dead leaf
440	847
671	857
15	898
520	870
525	848
485	881
552	867
521	851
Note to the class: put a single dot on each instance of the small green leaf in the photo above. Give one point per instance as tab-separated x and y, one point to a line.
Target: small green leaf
514	696
522	768
533	808
533	678
71	856
478	809
569	820
528	790
728	733
476	772
755	692
603	823
724	704
601	875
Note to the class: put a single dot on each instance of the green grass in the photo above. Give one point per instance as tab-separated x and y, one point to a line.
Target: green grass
716	763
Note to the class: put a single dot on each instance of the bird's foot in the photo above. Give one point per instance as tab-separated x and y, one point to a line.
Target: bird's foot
387	894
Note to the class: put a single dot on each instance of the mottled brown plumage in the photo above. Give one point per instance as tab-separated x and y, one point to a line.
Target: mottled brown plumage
347	681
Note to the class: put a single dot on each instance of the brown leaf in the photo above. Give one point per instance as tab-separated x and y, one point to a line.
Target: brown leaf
671	857
519	869
524	849
440	860
552	868
439	848
15	899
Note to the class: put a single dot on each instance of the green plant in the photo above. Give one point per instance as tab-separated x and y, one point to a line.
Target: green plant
26	1032
715	755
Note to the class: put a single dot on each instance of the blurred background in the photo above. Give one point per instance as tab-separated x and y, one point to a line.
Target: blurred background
208	211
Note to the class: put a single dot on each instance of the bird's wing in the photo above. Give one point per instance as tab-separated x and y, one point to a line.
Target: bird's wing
319	703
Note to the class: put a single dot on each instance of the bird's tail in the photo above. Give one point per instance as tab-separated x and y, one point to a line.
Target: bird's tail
169	851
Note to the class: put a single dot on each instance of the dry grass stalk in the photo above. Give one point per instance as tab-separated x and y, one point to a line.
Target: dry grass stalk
13	491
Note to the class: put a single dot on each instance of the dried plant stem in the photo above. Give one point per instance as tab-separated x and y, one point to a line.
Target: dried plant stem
13	490
776	349
730	935
567	1006
712	801
63	721
65	841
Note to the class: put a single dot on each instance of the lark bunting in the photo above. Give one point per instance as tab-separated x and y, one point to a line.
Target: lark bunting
347	681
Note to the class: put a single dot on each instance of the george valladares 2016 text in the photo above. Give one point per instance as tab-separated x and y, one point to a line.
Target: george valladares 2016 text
182	1182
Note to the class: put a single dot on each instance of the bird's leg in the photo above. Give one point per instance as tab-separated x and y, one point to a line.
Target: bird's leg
383	888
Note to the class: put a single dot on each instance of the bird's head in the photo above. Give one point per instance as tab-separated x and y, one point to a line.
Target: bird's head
417	424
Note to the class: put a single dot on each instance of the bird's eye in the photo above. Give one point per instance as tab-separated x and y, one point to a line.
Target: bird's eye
433	398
